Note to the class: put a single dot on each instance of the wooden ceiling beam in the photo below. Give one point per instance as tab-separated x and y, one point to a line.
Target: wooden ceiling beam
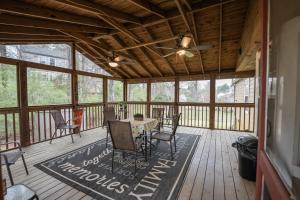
122	44
160	51
21	8
187	24
151	61
102	10
183	61
47	24
20	37
150	7
28	31
147	43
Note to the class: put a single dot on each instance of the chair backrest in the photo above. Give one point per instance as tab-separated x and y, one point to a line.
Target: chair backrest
158	113
58	118
109	114
175	123
121	135
171	111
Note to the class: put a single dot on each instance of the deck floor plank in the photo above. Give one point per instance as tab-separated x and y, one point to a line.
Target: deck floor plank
212	174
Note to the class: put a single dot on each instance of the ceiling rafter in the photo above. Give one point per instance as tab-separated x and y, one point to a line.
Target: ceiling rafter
22	8
160	51
122	44
187	24
103	10
150	7
28	31
47	24
28	38
183	60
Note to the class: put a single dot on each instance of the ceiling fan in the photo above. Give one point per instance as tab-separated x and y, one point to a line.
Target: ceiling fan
183	47
116	60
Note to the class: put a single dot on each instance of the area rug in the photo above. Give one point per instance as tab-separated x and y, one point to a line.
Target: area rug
88	169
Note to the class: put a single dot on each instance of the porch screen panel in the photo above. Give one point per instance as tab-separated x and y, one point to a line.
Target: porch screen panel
90	89
194	91
58	55
137	92
48	87
163	92
8	86
115	91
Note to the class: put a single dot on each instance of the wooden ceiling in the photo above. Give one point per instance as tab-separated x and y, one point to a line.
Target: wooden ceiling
99	26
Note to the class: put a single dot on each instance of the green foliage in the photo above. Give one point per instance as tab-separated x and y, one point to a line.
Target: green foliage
137	92
90	89
115	91
225	88
163	92
195	91
8	86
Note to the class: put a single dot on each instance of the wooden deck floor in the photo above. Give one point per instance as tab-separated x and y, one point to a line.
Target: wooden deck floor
213	172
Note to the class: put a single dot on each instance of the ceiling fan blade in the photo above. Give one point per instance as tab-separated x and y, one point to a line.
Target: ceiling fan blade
167	55
201	47
189	54
169	48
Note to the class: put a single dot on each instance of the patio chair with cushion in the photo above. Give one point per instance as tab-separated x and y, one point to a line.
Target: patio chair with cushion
62	125
10	157
109	114
167	136
122	140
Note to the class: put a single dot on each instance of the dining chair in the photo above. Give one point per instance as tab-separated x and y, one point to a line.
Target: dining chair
167	136
169	115
122	140
10	157
109	114
62	125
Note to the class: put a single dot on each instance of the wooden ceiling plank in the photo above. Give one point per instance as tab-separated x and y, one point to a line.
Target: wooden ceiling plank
122	44
151	61
165	60
20	37
187	4
22	8
150	7
47	24
28	31
186	22
102	10
220	37
183	61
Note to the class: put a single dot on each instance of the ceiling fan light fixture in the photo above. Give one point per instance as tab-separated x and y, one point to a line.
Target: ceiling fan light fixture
113	64
181	52
185	42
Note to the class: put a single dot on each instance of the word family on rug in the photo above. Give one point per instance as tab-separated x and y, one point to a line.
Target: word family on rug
88	169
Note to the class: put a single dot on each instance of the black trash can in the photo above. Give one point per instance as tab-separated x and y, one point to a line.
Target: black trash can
247	154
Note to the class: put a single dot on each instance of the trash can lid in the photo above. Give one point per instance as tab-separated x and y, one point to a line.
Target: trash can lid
249	141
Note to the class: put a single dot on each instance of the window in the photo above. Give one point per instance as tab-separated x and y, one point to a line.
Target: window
90	89
48	87
39	53
85	64
137	92
239	90
115	91
163	92
194	91
8	86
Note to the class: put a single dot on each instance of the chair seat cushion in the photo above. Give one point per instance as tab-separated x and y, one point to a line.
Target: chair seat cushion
162	136
12	156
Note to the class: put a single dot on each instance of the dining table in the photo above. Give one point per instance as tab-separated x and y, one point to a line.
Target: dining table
142	127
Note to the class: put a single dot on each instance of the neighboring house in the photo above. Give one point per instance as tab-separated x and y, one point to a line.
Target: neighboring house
243	90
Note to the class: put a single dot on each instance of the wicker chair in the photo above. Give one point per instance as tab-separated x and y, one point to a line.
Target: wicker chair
109	115
167	136
10	157
122	140
62	125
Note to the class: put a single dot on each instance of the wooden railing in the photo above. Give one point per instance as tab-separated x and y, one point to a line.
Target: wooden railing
235	116
9	127
194	115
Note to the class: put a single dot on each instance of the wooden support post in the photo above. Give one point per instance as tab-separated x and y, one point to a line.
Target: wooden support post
212	102
125	91
74	78
176	95
23	103
148	97
105	85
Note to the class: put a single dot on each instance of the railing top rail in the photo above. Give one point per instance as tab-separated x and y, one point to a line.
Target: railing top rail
49	107
9	110
235	104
